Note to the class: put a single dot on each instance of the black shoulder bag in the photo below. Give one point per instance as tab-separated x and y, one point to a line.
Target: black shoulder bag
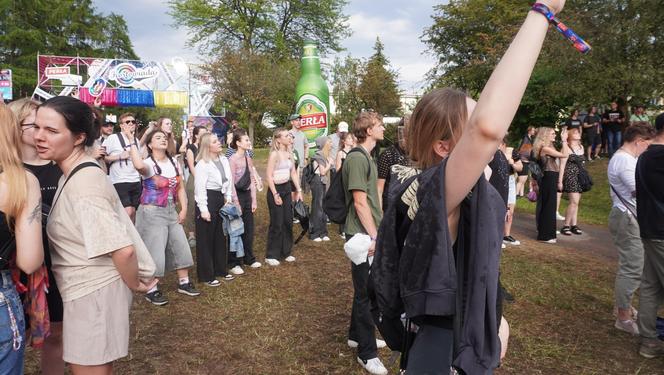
244	183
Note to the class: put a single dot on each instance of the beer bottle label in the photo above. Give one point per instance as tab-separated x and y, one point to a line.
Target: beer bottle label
314	117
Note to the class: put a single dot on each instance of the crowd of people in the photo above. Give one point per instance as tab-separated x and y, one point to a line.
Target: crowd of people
430	213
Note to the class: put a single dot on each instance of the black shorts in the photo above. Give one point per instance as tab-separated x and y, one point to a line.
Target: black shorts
524	171
129	193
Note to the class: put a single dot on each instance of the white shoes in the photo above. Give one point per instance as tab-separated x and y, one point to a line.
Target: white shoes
628	326
290	259
237	270
559	217
373	366
326	238
317	239
256	265
272	262
379	343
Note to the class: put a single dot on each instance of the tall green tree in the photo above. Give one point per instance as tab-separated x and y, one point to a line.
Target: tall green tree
253	84
469	37
379	89
346	77
262	25
59	27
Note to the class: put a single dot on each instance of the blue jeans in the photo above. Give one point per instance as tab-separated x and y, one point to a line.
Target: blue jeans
613	140
12	327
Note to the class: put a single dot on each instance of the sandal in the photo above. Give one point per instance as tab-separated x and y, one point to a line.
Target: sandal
566	230
576	230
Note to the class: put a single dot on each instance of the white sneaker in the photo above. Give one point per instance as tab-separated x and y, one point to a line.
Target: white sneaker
256	265
326	238
237	270
503	246
317	239
628	326
553	240
560	217
343	235
272	262
373	366
290	259
379	344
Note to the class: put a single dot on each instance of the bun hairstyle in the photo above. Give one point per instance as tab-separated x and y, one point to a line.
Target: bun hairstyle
237	136
78	116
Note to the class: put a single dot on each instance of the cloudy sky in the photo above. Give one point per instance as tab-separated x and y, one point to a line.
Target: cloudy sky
398	23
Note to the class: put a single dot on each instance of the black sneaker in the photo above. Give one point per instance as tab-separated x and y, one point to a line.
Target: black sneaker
188	289
156	298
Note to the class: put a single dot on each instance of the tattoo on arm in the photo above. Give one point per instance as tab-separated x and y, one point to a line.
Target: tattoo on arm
36	214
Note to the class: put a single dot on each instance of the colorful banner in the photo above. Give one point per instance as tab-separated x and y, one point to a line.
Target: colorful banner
6	84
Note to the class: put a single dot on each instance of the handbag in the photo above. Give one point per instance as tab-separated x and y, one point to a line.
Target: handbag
244	183
584	178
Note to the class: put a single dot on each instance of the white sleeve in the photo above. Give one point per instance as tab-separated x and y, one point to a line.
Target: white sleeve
229	177
200	191
112	145
627	175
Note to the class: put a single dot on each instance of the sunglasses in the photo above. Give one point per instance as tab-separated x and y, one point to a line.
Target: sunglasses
129	122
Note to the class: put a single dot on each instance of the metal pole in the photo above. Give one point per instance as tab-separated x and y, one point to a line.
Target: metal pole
189	90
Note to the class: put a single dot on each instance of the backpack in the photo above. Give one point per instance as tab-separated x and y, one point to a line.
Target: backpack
334	202
309	173
535	169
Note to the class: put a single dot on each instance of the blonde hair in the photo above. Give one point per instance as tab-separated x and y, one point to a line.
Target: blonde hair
11	166
541	140
439	115
327	147
204	147
22	108
275	135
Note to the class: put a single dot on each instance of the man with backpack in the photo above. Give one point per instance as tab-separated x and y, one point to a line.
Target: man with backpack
121	171
359	176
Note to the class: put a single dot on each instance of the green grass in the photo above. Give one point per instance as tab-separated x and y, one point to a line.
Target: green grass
595	205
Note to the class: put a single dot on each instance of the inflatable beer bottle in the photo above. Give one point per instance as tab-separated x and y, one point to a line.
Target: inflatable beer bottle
312	96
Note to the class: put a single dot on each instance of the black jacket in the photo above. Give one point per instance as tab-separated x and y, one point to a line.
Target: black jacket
419	276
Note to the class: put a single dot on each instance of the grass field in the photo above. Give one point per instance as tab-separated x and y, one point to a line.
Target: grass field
293	319
595	205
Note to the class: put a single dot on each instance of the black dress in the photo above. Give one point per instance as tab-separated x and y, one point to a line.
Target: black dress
571	174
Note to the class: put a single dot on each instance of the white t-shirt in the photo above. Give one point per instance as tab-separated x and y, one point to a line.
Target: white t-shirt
621	172
167	168
86	224
121	170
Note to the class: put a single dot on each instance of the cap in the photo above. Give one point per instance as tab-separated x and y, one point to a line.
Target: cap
294	116
342	127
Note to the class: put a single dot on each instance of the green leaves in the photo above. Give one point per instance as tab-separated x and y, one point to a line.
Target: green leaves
379	89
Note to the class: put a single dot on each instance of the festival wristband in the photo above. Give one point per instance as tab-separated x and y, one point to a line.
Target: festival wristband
580	44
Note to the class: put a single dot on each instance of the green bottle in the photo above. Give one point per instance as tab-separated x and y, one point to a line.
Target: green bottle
312	96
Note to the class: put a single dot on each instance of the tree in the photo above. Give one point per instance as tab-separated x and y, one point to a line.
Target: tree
68	27
255	83
346	76
379	90
262	25
470	36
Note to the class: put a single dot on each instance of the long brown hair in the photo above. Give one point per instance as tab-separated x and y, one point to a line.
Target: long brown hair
170	136
439	115
11	165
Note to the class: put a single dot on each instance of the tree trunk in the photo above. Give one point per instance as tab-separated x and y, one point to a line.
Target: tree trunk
251	123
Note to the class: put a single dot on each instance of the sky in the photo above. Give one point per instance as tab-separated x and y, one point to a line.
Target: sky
398	23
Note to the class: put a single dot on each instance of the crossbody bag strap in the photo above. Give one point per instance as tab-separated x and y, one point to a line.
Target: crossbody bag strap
73	172
624	202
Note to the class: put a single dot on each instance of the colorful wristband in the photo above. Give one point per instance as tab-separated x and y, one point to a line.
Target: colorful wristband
576	40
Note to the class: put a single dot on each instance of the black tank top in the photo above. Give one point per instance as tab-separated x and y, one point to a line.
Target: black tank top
7	242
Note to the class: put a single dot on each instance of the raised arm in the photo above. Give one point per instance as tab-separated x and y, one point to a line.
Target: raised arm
137	161
496	107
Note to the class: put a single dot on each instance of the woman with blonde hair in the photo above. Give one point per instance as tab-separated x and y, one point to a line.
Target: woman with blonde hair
48	174
439	241
214	188
279	175
20	240
549	160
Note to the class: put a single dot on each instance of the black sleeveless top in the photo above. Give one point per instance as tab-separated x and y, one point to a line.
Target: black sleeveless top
7	242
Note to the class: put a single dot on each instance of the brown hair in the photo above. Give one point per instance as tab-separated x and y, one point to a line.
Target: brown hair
237	136
125	115
641	130
439	115
169	136
363	122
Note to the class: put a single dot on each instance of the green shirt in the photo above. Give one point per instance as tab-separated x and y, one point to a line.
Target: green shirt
637	118
354	174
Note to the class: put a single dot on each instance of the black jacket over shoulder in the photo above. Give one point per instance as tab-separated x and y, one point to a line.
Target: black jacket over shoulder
419	276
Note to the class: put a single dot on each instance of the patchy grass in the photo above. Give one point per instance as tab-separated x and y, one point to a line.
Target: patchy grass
595	204
293	319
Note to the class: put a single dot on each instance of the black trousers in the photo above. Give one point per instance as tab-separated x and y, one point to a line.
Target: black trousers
280	233
211	249
362	328
432	349
545	212
248	236
318	220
